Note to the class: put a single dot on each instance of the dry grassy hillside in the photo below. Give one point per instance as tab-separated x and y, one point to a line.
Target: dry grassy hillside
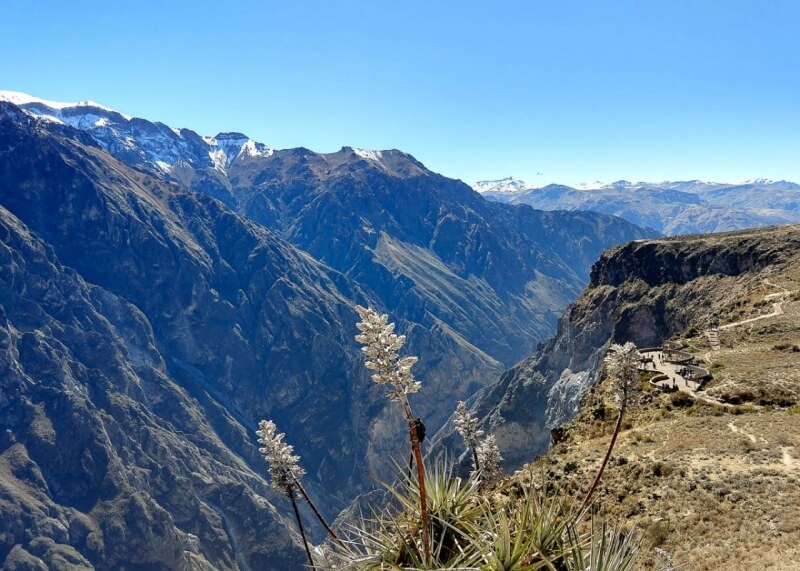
715	485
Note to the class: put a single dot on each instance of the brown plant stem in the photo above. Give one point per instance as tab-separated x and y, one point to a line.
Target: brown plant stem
475	456
300	527
321	519
599	475
423	496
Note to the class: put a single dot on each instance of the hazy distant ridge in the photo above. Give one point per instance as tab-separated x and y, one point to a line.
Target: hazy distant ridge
670	207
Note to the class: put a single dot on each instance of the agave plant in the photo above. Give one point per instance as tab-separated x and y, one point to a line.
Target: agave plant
604	549
519	527
387	539
440	520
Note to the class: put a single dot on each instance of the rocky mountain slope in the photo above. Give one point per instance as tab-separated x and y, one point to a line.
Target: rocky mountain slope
147	328
714	484
671	208
478	283
645	292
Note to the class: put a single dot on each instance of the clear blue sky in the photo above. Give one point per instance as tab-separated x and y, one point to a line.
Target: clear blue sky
576	90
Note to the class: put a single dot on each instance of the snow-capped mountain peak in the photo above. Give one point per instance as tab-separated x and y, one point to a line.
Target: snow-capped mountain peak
368	154
594	185
227	147
23	99
508	185
138	141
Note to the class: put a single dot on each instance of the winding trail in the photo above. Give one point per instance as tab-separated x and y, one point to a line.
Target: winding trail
777	307
752	437
787	458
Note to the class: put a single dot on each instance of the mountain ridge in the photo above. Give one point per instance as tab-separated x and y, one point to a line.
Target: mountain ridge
672	208
309	199
196	321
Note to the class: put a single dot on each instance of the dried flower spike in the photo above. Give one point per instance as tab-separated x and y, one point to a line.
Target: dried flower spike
284	468
489	459
622	363
380	346
467	426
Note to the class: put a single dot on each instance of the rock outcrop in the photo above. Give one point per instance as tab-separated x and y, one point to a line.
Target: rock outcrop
645	292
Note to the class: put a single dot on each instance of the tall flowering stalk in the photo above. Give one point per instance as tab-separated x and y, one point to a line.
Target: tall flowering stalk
380	347
622	365
467	426
284	471
488	458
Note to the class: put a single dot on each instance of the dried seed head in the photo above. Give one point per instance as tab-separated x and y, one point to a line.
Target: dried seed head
284	467
622	364
380	347
466	424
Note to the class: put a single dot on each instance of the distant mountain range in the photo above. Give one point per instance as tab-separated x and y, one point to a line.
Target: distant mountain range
668	207
160	292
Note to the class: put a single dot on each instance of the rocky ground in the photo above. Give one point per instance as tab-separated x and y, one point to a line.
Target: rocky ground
715	486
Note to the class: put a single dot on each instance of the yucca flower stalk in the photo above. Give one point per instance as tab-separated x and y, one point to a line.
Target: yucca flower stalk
467	426
621	365
489	459
380	347
285	473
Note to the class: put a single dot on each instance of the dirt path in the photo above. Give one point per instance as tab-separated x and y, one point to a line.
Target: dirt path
787	457
752	437
777	307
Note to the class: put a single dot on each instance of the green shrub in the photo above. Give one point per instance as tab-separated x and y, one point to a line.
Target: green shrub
520	527
716	366
681	400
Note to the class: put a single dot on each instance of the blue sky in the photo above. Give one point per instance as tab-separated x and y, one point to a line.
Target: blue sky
575	90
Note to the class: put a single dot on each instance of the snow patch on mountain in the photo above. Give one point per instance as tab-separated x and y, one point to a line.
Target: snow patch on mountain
369	155
19	98
508	185
142	142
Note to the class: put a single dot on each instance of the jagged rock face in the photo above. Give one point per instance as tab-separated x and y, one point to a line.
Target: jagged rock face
105	461
645	292
145	330
474	284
